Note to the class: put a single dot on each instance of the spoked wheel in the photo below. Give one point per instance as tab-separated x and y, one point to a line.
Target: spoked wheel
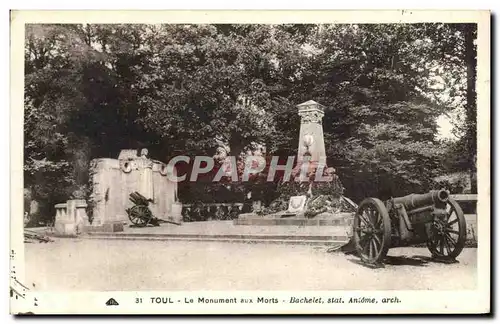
372	231
139	215
448	235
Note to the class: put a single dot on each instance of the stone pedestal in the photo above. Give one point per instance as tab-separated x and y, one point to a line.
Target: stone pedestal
63	226
71	217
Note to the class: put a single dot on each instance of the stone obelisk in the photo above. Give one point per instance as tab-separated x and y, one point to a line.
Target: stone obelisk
311	141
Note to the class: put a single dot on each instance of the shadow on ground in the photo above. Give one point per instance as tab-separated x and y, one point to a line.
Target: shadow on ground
416	261
142	226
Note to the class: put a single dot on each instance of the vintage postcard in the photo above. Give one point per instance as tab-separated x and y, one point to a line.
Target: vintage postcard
250	162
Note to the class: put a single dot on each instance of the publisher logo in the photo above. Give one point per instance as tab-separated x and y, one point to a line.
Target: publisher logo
111	302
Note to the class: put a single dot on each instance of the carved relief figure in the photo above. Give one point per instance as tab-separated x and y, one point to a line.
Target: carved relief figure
146	178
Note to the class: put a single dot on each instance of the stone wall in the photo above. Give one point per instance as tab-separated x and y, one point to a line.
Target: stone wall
114	180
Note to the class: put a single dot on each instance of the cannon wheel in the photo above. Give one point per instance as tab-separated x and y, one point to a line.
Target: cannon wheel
139	215
372	231
448	236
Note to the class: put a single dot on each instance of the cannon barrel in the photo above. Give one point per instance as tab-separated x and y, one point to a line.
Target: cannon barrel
413	201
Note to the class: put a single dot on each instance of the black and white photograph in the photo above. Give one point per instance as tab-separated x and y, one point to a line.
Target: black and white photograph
226	164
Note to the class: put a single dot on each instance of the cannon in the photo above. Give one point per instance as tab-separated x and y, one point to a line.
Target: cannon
433	219
140	214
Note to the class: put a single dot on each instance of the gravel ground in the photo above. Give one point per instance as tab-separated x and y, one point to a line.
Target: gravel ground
104	265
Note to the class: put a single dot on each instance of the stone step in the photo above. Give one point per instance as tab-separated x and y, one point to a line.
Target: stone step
268	239
259	237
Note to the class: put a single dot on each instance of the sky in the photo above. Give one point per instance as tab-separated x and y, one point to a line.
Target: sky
445	128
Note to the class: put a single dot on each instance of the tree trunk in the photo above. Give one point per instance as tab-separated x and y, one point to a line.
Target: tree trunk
471	106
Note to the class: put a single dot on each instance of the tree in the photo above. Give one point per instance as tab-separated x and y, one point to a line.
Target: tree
470	34
384	85
211	82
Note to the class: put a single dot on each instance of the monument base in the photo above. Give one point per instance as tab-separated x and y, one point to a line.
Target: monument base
106	227
295	216
324	219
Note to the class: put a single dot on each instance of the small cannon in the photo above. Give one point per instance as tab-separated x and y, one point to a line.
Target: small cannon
432	218
140	214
